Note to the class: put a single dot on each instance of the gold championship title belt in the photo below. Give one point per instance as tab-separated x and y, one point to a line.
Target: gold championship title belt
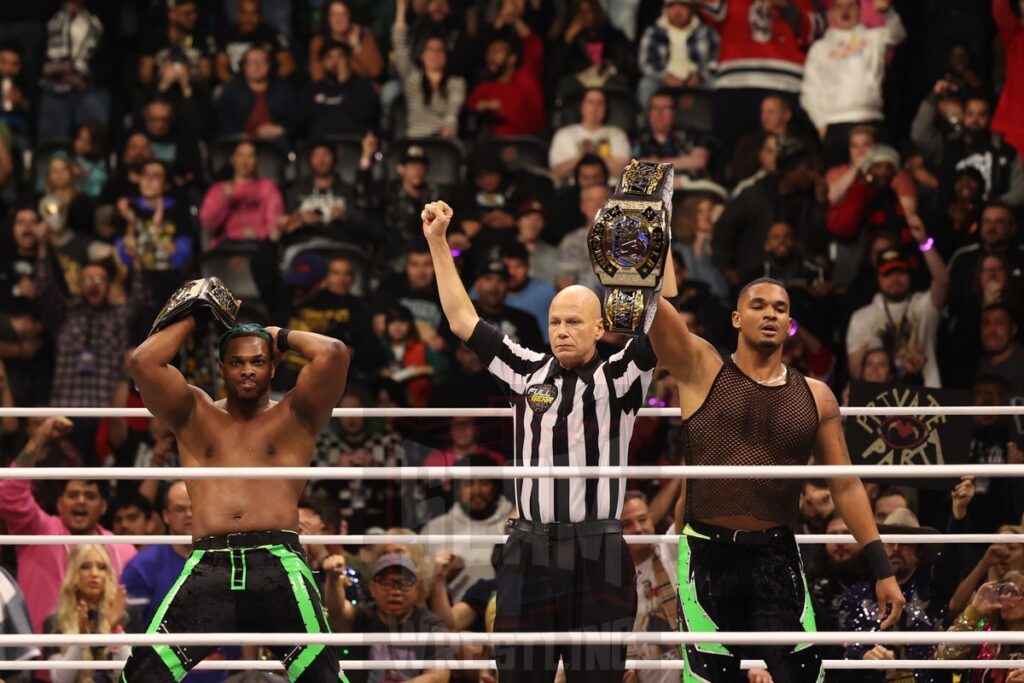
628	243
205	298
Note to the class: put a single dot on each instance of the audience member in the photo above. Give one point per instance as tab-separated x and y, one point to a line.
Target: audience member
248	32
479	509
510	99
406	357
178	52
433	94
91	602
415	289
401	203
341	102
694	226
526	293
573	255
1003	355
565	212
656	579
76	209
842	84
337	26
664	142
14	621
80	505
795	194
16	105
395	588
951	142
256	103
245	207
590	136
132	516
1009	117
678	51
71	88
170	144
776	118
902	321
591	52
543	257
89	158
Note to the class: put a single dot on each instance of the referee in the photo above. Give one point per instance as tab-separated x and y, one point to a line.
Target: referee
565	566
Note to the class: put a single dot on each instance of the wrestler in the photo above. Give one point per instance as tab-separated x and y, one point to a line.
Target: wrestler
739	566
246	572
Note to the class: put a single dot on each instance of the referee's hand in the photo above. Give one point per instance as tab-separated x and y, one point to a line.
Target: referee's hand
436	217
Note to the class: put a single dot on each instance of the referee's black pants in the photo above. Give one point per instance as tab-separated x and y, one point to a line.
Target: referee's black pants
575	578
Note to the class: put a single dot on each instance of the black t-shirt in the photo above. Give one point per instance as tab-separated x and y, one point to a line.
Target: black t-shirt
235	43
520	326
420	621
478	596
12	270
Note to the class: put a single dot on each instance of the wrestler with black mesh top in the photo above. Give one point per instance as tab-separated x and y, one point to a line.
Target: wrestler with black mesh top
739	566
247	571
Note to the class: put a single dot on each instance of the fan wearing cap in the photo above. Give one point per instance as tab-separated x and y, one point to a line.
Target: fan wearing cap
900	320
565	566
526	293
395	588
487	205
490	292
794	194
400	203
927	577
245	532
543	257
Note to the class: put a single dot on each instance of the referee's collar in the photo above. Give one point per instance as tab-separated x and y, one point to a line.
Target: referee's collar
584	371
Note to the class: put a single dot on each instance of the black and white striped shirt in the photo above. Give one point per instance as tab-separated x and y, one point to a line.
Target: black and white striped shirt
577	417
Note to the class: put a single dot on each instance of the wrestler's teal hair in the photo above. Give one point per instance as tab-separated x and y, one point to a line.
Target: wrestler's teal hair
244	330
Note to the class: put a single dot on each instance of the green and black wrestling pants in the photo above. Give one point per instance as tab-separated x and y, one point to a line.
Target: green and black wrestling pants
744	581
255	582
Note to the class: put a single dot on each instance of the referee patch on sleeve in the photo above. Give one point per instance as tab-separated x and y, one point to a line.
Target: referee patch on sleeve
540	397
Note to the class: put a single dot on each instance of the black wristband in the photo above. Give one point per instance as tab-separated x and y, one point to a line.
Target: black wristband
877	560
282	340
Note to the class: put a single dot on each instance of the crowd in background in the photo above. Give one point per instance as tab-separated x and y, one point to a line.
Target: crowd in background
866	153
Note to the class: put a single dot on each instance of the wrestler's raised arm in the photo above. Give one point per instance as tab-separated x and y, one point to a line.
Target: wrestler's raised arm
164	389
685	355
458	308
321	381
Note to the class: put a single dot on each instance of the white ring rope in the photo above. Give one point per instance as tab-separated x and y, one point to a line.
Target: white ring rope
451	664
520	638
519	472
882	411
487	539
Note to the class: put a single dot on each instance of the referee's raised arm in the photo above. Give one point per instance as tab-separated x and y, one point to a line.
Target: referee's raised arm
455	301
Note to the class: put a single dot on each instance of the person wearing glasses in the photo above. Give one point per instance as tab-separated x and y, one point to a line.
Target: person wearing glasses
396	588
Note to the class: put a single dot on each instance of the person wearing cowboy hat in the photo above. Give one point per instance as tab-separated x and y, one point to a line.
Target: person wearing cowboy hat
926	575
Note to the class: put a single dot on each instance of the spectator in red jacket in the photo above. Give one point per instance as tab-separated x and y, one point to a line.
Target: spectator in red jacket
511	99
1009	119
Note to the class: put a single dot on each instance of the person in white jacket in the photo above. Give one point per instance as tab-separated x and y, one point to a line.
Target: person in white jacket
479	509
842	84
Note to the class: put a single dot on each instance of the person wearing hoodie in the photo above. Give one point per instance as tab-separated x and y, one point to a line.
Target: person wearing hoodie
80	505
842	84
678	51
480	509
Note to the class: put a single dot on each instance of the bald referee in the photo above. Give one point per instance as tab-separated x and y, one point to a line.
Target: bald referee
565	566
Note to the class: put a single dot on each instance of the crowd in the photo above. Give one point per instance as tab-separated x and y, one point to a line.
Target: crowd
864	152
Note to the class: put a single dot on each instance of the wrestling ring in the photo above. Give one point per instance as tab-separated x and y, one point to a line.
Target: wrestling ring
511	472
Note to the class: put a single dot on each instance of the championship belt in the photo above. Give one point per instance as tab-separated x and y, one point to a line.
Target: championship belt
206	298
628	244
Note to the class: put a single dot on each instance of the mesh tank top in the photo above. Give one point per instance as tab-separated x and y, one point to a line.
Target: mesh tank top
744	423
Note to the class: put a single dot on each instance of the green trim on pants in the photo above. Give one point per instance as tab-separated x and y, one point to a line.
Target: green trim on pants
298	573
695	619
166	652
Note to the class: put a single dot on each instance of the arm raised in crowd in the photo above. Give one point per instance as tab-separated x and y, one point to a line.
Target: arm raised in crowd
458	308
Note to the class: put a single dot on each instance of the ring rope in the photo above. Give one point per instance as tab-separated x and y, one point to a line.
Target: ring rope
415	664
850	411
521	472
486	539
519	638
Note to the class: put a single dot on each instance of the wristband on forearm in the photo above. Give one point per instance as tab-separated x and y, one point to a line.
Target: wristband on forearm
877	560
282	340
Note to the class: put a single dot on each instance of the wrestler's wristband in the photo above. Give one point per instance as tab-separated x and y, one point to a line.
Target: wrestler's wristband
877	560
282	340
